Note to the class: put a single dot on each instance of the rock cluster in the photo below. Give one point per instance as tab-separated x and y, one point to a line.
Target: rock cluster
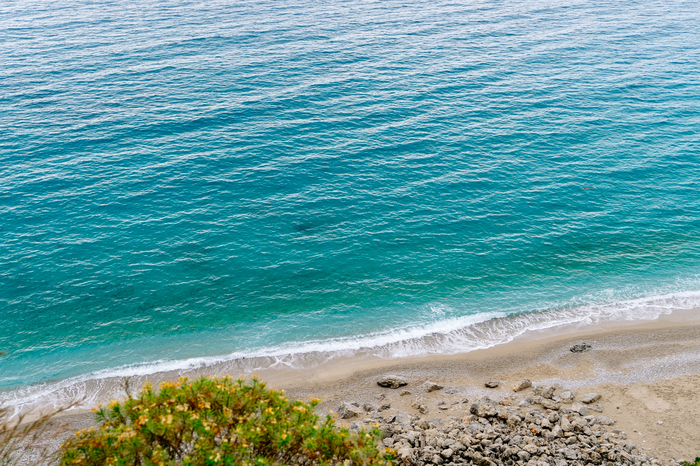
544	429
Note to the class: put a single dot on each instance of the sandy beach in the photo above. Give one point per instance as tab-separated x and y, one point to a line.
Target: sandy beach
647	374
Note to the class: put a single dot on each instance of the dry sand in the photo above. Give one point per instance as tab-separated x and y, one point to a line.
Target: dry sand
646	373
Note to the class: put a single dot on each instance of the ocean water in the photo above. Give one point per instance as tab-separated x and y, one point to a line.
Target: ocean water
183	182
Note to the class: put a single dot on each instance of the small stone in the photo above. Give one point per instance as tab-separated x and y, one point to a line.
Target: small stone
384	407
447	453
660	423
589	398
522	385
492	384
392	381
429	386
404	393
605	421
580	348
569	453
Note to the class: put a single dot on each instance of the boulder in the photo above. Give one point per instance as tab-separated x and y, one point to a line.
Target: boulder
392	381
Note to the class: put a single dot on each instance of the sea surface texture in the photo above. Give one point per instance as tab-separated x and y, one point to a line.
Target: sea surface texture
183	182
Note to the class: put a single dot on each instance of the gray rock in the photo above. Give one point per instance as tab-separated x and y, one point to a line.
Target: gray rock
557	432
579	408
429	386
569	453
605	421
447	453
567	396
392	381
596	407
492	384
522	385
484	408
404	393
589	398
347	411
549	404
404	455
565	425
545	391
420	406
580	348
402	418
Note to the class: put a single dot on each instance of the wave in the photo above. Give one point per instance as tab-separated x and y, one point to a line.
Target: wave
447	336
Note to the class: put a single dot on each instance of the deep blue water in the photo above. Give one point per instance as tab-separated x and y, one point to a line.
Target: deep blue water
219	179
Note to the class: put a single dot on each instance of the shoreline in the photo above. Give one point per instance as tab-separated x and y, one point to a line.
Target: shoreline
646	372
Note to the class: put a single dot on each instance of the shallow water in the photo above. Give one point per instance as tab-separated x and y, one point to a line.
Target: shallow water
205	181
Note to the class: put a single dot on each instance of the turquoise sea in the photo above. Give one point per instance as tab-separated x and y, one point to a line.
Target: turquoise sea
188	182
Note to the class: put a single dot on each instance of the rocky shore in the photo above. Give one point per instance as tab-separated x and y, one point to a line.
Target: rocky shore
532	426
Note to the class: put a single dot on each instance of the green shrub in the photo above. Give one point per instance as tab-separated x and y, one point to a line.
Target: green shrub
696	463
217	422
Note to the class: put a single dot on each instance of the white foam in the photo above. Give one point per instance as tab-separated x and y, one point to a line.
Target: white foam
446	336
